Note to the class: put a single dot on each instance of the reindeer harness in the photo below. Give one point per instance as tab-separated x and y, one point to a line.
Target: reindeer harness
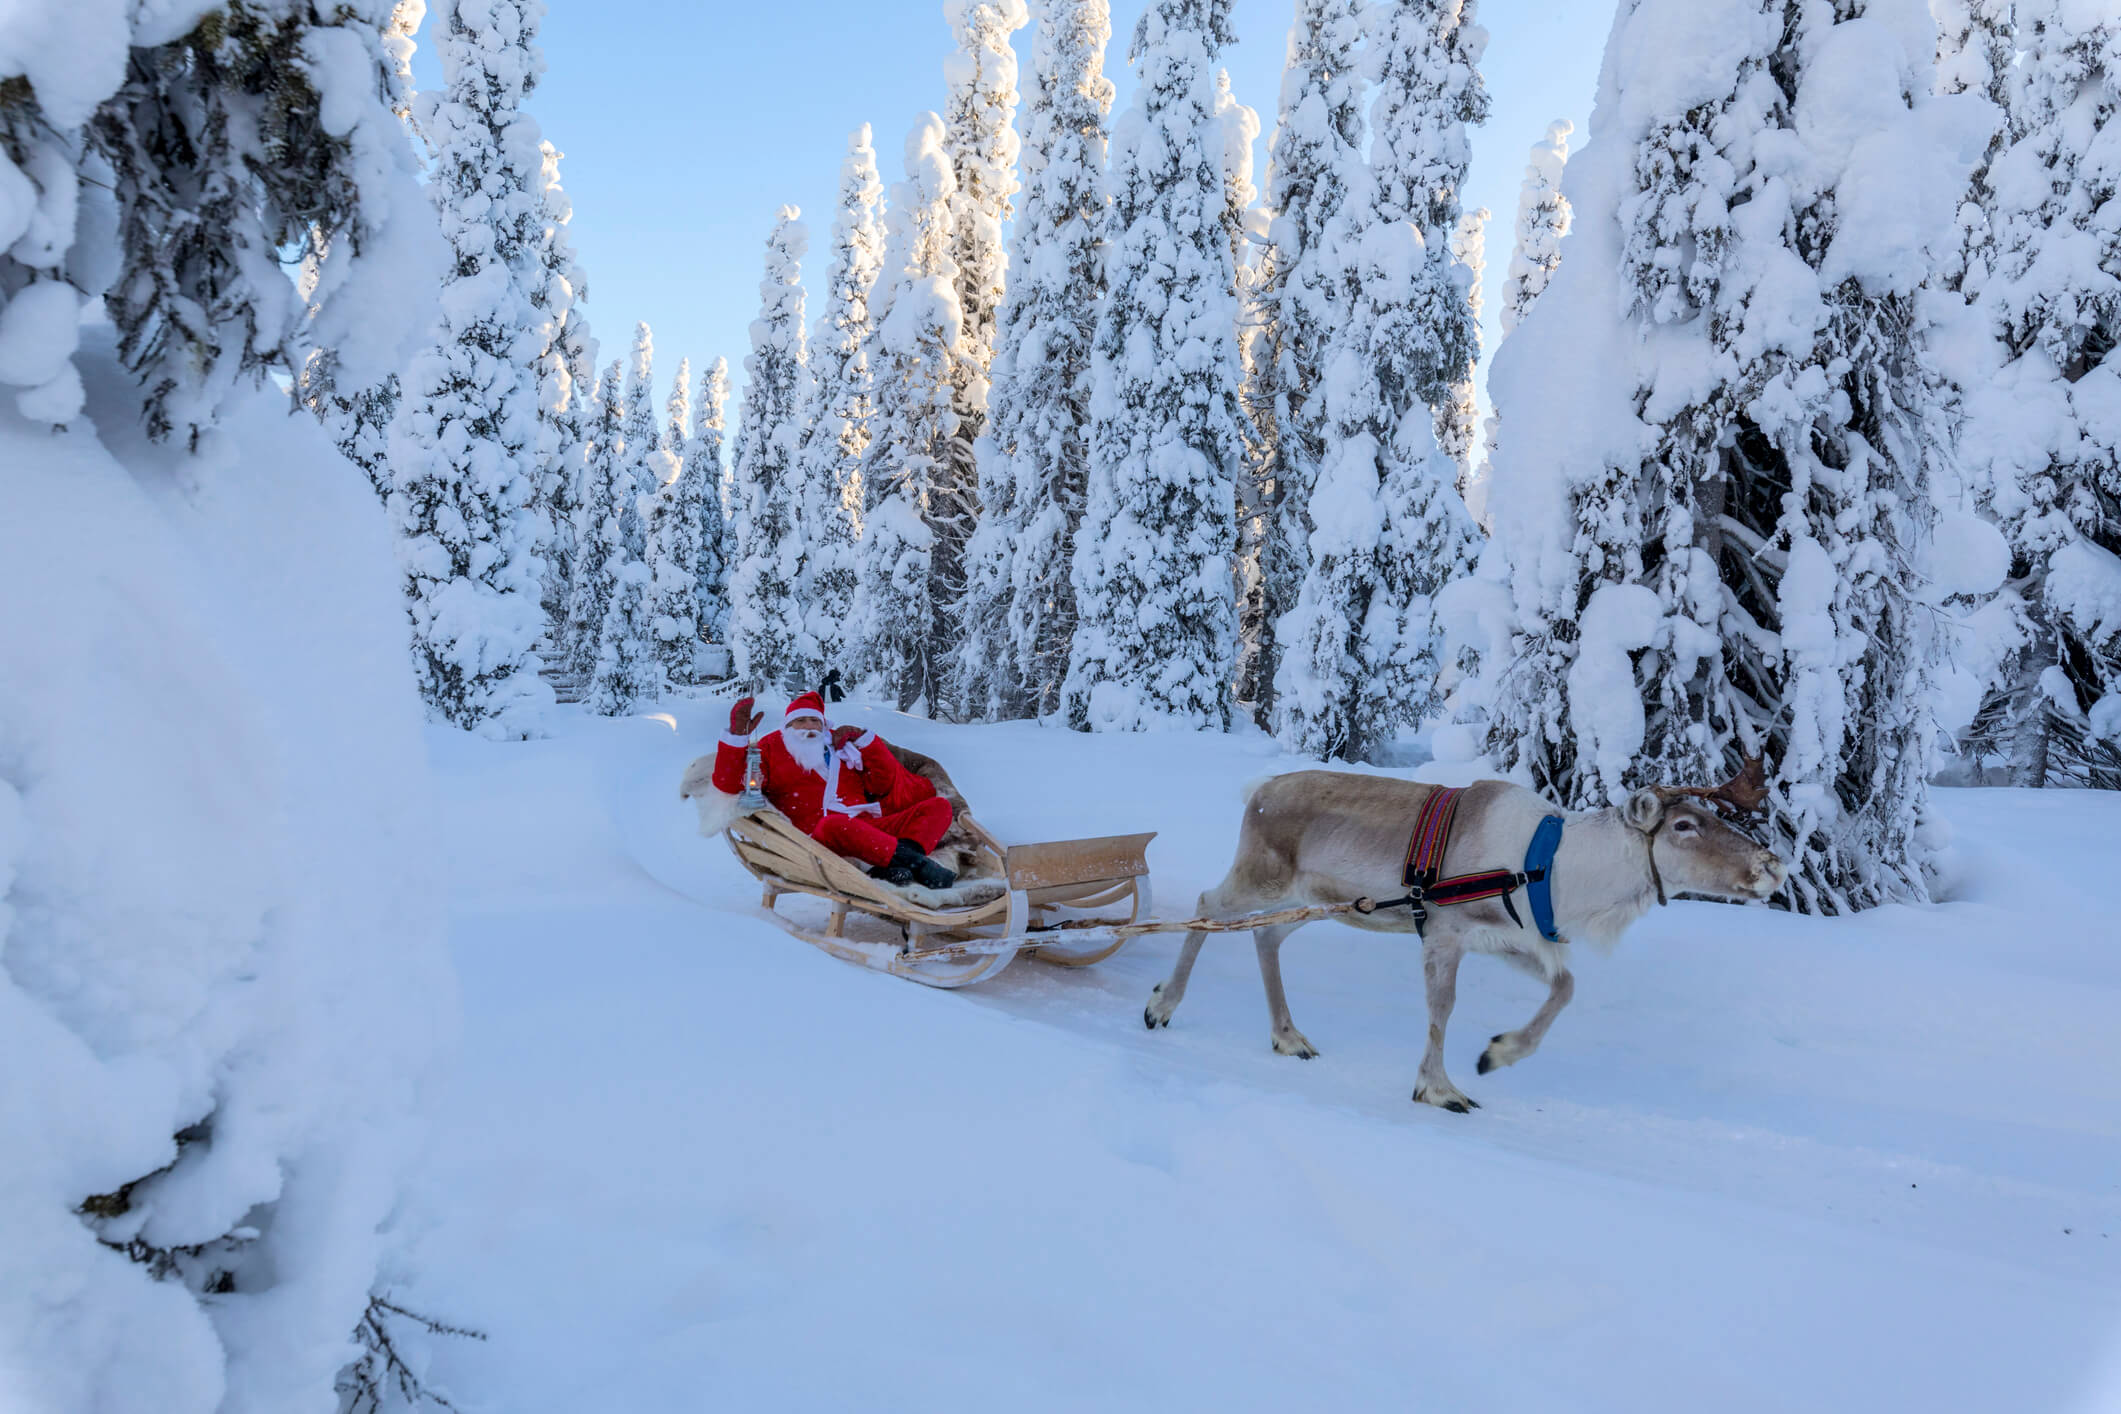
1424	868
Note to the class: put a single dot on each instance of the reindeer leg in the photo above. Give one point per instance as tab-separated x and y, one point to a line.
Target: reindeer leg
1513	1046
1288	1041
1222	901
1439	966
1166	996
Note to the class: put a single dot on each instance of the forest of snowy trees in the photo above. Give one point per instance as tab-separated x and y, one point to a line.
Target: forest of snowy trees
1804	446
1803	440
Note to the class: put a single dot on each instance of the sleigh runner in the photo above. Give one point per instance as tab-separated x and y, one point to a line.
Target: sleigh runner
1034	906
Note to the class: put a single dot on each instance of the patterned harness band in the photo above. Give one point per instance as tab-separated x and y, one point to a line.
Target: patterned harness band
1424	867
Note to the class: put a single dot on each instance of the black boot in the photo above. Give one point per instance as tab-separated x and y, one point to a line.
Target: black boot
919	868
896	874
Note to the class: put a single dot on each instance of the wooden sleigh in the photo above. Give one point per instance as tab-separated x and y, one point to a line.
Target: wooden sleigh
1040	910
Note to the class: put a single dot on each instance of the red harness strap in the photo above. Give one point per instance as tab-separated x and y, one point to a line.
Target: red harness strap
1425	851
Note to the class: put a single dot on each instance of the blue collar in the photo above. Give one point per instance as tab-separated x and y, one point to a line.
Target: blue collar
1538	870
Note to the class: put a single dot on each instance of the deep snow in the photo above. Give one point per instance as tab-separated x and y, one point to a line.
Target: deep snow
1763	1162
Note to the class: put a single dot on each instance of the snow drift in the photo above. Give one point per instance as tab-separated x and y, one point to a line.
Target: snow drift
222	989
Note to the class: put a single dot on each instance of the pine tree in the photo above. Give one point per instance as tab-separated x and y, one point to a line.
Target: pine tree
676	531
1362	654
1457	427
917	342
1315	151
1019	606
1737	569
565	367
358	418
703	460
212	152
769	635
629	662
2041	266
980	139
464	446
597	525
1542	220
836	425
1156	638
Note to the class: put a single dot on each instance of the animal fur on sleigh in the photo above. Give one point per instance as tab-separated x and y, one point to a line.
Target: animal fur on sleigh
977	867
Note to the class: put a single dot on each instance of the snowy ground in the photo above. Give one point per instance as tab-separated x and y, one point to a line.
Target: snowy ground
1763	1162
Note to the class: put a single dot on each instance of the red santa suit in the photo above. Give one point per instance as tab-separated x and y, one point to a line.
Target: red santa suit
861	805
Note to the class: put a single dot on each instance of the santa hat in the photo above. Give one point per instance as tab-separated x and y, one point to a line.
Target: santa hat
808	705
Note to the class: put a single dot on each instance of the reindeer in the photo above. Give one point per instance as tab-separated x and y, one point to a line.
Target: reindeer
1331	837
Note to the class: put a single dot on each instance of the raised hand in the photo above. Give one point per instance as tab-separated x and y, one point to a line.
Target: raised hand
842	735
742	720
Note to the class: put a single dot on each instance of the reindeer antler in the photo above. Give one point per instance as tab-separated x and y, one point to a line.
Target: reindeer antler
1745	792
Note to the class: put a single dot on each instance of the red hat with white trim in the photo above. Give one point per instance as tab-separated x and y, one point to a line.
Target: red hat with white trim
808	705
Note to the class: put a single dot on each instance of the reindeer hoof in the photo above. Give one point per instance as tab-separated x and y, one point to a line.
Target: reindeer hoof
1487	1062
1150	1018
1295	1045
1456	1103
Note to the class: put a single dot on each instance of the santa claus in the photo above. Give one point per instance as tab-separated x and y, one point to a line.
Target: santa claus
843	788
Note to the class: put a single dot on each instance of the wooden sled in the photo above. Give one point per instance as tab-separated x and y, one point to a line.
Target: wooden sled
957	946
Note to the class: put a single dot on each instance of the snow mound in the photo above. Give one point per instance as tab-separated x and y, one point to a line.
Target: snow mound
222	990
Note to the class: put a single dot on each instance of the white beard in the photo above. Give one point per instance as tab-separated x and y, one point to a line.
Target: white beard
812	754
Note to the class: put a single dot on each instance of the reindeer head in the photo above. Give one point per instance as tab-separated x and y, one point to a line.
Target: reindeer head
1694	850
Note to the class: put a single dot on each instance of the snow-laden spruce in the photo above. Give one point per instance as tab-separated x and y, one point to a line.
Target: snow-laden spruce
1155	640
1315	151
1542	220
703	460
355	404
676	531
566	367
629	665
1018	613
1458	425
464	447
1239	124
836	424
167	166
225	987
1717	524
769	633
1361	654
891	641
596	527
2040	397
979	134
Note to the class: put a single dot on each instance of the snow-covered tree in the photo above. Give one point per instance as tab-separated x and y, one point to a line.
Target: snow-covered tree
703	459
836	426
1361	653
1155	640
677	411
186	163
597	526
769	633
1240	130
1717	526
1019	606
1458	424
891	640
464	448
1315	151
566	366
676	532
358	418
1542	220
2041	411
629	664
980	139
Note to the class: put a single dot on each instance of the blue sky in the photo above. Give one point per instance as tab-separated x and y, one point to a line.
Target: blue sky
687	123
